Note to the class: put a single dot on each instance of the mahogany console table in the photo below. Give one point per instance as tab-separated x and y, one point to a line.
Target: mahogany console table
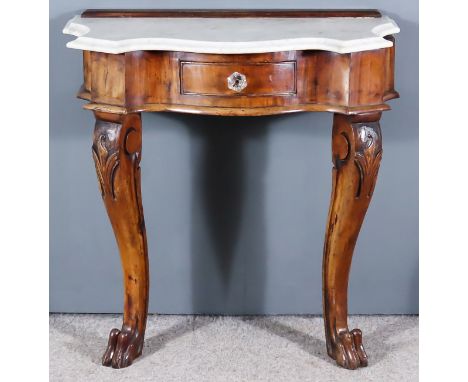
234	63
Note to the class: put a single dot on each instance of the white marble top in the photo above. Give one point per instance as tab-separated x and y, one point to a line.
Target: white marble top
230	35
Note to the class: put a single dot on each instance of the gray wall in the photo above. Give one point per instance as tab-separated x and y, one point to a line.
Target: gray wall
235	207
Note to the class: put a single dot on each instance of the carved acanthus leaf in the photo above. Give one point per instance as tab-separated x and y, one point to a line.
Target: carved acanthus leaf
106	160
368	154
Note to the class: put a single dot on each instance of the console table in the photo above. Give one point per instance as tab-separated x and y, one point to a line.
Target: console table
233	63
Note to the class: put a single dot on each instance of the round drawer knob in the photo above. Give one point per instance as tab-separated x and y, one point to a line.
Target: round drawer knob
237	82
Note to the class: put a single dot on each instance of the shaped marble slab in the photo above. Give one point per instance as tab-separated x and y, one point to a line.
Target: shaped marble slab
230	35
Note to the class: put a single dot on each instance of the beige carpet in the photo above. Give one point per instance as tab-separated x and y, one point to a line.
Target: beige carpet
224	349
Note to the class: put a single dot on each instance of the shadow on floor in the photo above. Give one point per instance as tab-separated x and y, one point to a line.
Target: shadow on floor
310	344
91	344
188	324
86	342
378	343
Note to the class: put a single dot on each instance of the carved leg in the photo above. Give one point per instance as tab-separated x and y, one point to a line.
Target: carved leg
117	152
357	151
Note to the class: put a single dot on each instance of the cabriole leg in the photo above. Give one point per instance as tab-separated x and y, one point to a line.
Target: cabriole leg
357	151
117	152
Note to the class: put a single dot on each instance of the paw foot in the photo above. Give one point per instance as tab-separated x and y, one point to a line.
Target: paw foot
123	347
349	351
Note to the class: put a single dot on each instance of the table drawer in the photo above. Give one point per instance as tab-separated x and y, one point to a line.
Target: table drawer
238	79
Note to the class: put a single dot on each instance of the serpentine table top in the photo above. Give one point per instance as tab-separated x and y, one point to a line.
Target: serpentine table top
230	35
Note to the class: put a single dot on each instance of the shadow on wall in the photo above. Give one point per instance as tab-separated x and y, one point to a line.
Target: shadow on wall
401	124
228	241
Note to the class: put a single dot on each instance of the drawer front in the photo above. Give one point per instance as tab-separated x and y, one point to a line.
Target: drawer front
236	79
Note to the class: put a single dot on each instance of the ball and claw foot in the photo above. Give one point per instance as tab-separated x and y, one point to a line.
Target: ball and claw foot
349	351
123	347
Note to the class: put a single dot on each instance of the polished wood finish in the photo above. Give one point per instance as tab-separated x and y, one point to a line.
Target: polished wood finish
107	81
117	153
233	111
357	152
390	91
280	82
264	78
231	13
354	86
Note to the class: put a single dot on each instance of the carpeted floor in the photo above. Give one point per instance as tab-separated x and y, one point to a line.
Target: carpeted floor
224	349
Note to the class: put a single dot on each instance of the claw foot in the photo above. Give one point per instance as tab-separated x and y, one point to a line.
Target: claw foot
123	347
349	351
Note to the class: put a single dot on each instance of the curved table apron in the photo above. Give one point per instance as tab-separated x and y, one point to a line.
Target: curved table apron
234	63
